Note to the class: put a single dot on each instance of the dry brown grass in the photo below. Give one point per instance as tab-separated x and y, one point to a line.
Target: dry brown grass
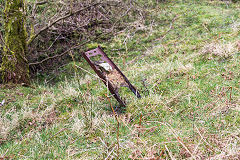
221	50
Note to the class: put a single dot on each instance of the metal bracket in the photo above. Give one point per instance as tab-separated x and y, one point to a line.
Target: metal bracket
109	73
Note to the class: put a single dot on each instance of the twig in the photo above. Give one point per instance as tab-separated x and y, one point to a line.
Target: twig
110	153
170	153
74	141
89	73
41	3
103	142
4	154
219	150
202	137
59	19
204	25
51	44
59	55
170	28
63	129
74	47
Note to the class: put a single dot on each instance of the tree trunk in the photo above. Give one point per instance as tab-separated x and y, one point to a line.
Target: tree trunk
15	67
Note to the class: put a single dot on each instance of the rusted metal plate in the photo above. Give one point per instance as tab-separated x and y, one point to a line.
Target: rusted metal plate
109	73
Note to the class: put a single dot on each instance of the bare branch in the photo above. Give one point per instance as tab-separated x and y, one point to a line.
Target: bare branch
59	55
59	19
41	3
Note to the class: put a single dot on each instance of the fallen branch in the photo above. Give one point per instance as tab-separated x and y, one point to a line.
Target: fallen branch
59	55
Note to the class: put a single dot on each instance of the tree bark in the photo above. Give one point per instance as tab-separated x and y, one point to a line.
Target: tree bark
14	66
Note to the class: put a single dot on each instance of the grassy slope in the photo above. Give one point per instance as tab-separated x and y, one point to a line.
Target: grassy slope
189	79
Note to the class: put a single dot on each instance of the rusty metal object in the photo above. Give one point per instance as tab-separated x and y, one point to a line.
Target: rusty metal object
109	73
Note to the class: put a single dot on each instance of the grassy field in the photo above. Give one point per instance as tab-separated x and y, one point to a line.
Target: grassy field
183	56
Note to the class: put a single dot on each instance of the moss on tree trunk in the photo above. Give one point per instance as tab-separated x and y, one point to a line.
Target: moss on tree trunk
14	66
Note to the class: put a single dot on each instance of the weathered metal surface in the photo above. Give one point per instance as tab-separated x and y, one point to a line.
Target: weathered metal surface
109	73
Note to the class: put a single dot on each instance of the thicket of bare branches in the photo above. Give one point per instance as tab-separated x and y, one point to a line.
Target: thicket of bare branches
57	28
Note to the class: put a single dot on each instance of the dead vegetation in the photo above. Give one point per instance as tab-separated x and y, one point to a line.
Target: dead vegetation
219	50
70	29
116	79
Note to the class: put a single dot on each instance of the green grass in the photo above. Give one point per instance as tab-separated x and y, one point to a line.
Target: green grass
188	77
